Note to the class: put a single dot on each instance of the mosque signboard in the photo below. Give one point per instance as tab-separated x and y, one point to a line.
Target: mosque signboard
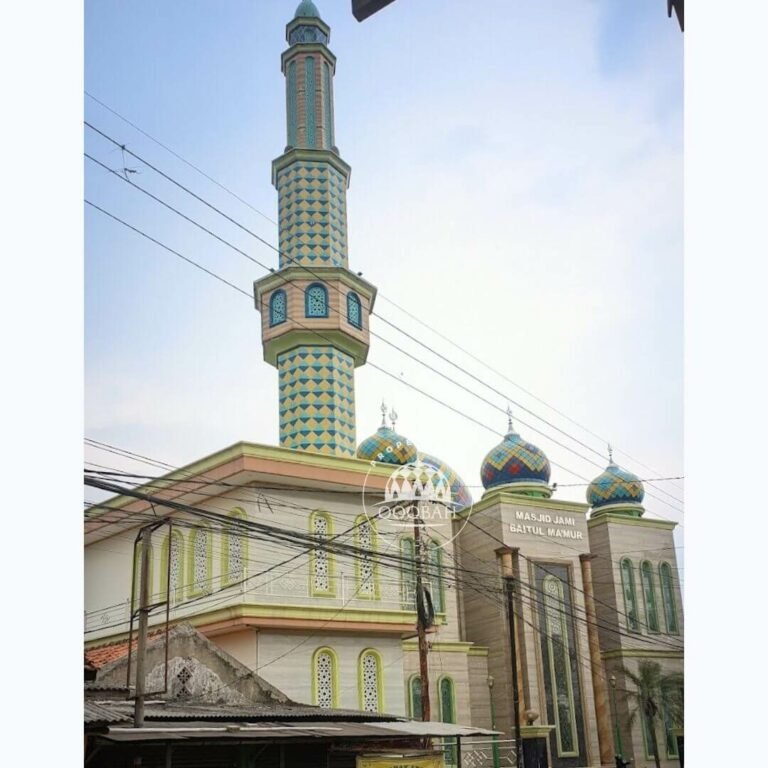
551	525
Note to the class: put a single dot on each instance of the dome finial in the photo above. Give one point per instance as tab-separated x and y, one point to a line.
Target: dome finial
383	414
510	427
610	454
393	418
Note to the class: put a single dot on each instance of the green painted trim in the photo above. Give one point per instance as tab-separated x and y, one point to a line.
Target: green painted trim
375	562
335	686
312	156
331	591
298	48
637	653
536	731
226	577
666	525
208	586
164	555
379	679
313	21
291	338
477	651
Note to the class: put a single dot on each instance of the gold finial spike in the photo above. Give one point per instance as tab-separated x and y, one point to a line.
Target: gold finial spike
393	418
510	428
383	414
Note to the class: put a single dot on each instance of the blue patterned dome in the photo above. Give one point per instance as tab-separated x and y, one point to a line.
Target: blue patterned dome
615	486
387	447
306	9
514	460
460	495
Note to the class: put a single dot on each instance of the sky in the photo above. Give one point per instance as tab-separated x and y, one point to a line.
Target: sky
516	185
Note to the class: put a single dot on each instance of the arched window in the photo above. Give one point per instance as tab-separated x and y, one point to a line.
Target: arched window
321	577
309	99
200	561
291	112
560	670
278	307
325	681
408	574
434	576
173	556
414	697
365	566
316	301
649	596
628	587
369	682
668	598
447	702
234	551
354	310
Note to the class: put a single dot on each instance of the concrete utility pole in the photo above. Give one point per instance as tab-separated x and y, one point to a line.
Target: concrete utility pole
421	627
141	644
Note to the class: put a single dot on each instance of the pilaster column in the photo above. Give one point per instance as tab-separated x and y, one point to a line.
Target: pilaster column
596	665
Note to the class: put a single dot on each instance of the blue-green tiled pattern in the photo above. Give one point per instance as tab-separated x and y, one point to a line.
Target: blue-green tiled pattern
317	400
387	447
312	200
309	100
328	107
514	460
291	102
615	486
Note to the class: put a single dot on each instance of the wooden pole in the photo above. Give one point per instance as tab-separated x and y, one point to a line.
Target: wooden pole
509	588
421	629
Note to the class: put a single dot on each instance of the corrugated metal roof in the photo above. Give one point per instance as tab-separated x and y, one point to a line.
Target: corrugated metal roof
98	713
299	731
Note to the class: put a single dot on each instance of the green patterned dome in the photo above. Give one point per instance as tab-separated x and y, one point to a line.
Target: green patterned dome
306	9
615	486
387	446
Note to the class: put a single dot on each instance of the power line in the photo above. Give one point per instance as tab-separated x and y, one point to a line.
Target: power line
385	298
414	358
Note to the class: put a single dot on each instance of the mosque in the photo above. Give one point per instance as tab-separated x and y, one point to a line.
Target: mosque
597	589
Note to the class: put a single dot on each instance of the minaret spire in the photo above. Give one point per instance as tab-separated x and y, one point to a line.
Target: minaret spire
314	310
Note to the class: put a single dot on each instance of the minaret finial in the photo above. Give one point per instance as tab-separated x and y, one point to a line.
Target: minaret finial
393	418
610	454
510	428
383	414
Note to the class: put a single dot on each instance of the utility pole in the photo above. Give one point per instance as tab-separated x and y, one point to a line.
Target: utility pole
141	643
421	626
509	589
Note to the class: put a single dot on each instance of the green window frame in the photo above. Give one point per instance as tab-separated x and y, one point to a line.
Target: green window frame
630	596
434	575
446	697
177	589
234	545
560	671
668	598
322	566
309	100
292	105
414	697
366	566
370	681
325	672
649	596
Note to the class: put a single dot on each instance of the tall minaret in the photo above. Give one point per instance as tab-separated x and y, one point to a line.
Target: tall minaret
314	311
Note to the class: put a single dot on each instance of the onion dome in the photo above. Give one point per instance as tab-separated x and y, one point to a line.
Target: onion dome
307	10
517	464
616	490
460	495
385	445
